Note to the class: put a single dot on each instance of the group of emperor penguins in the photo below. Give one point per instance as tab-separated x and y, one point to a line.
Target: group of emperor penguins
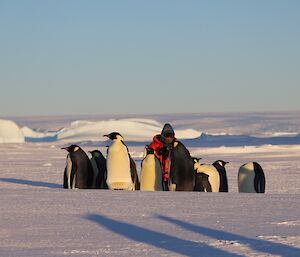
118	171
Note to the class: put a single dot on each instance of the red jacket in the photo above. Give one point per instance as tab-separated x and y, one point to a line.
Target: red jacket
162	154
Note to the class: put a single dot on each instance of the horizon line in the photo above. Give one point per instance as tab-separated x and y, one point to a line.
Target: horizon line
150	114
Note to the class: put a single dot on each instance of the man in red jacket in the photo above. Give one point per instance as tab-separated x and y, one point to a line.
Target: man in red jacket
162	145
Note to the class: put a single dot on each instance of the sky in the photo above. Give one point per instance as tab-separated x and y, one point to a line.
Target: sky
64	57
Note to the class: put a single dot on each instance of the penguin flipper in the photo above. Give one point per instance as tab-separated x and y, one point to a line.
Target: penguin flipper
223	182
262	183
73	177
90	176
262	179
259	179
205	183
65	185
134	176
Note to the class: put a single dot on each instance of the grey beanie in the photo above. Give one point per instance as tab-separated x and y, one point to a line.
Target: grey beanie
167	129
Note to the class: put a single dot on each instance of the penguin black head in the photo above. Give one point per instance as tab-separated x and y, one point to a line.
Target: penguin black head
72	148
196	163
195	159
220	162
149	150
95	153
114	136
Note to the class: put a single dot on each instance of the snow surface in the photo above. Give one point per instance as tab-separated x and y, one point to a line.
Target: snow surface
40	218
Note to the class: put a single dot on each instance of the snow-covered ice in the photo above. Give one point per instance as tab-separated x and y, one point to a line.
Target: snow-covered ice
81	130
40	218
142	129
10	132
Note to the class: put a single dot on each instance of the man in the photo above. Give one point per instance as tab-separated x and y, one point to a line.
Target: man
162	145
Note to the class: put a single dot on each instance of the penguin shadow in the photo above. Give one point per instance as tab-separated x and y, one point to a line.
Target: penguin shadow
267	247
158	239
30	183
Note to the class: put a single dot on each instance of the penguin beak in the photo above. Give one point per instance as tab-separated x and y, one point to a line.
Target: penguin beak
65	148
108	136
226	163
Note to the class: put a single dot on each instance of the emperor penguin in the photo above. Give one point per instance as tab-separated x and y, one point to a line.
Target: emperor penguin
118	164
151	172
79	171
98	162
220	166
181	172
213	176
251	178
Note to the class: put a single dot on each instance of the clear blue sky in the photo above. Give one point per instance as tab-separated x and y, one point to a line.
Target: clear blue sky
144	57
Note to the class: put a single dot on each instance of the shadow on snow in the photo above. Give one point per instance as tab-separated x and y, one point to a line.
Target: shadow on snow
255	244
157	239
186	247
31	183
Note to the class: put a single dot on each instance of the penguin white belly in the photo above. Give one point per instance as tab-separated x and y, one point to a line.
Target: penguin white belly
118	167
151	174
246	177
214	177
69	169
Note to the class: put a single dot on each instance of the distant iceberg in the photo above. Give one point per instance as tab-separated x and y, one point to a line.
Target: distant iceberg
135	130
10	132
37	136
208	140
